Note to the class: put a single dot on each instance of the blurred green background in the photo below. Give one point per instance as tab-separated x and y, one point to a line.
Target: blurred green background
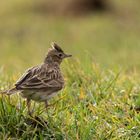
106	34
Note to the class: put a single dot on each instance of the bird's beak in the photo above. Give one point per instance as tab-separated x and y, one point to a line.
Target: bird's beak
68	55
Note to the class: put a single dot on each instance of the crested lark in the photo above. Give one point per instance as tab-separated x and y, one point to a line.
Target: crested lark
42	82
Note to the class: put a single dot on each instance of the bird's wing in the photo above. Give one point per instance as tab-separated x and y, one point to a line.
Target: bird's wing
40	79
27	75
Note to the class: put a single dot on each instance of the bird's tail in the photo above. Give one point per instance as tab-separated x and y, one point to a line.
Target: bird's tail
9	92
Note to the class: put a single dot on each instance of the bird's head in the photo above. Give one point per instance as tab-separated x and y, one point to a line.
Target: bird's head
56	54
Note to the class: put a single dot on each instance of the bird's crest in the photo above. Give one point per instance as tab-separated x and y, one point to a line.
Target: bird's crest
56	47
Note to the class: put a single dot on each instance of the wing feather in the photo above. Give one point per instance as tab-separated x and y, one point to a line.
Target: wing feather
40	78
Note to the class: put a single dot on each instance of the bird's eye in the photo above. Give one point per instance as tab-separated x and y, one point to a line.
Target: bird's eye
60	55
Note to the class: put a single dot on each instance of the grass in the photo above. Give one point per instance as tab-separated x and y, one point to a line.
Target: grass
102	79
94	106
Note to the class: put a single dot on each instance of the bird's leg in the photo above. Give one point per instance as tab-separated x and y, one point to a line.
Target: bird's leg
29	106
46	105
49	105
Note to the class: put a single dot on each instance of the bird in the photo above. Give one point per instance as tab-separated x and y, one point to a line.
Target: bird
42	82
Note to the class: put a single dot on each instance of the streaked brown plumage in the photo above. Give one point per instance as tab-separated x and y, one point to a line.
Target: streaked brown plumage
42	82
